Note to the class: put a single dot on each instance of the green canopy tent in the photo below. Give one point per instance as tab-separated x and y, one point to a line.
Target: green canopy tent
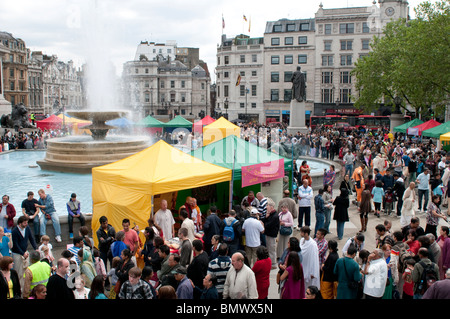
404	127
178	121
150	121
437	131
234	153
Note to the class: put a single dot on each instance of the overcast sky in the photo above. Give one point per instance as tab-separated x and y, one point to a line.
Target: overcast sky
65	27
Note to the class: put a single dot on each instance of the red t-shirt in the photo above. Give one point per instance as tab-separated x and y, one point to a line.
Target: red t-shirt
131	239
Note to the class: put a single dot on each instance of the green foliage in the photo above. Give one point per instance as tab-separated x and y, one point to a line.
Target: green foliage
410	60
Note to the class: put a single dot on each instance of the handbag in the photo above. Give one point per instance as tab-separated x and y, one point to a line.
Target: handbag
285	230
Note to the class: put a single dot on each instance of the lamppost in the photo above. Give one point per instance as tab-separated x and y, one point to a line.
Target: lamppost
225	105
63	100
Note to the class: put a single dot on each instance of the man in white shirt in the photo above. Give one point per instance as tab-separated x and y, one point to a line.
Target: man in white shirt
240	282
164	219
305	194
310	258
253	228
376	272
423	181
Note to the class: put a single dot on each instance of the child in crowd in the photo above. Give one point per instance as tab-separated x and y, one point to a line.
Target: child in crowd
389	201
113	277
45	249
99	264
377	195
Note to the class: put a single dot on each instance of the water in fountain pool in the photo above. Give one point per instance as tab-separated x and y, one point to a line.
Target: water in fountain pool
21	174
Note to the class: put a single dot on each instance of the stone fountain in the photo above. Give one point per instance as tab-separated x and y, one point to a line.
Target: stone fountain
80	153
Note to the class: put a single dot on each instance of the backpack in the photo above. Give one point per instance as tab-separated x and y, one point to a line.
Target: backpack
228	231
403	256
428	277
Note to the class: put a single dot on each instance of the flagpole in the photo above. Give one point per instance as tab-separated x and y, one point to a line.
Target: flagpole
230	204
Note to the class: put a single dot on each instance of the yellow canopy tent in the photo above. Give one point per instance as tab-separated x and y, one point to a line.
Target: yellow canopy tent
76	124
125	189
218	130
445	141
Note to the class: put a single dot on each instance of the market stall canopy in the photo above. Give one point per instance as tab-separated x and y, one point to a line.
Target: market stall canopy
178	121
218	130
437	131
150	121
221	153
198	126
445	141
124	189
50	123
69	120
402	128
417	130
120	122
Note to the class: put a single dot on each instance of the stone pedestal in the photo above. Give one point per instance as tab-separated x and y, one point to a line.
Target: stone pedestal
5	106
396	120
297	118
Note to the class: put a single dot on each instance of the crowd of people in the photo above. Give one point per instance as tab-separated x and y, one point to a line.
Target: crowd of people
231	257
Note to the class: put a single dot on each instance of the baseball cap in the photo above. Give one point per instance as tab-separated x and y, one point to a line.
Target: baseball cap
254	211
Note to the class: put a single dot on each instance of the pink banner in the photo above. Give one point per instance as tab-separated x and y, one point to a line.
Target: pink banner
264	172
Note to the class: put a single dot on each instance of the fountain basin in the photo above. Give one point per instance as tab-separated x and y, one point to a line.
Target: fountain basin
79	154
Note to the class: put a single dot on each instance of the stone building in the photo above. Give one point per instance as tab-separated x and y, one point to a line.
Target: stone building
15	69
240	77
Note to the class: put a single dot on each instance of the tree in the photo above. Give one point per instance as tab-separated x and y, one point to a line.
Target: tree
410	60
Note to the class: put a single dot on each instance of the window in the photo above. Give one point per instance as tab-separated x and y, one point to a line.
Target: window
275	59
302	59
290	27
242	58
277	28
162	84
172	84
365	44
227	59
346	77
274	95
254	73
147	97
327	95
226	74
225	90
203	86
183	97
11	72
136	71
242	73
254	90
327	28
242	90
327	77
302	40
275	41
254	58
345	95
346	28
172	97
274	77
365	28
327	60
288	76
287	95
183	84
304	26
253	105
218	60
346	44
346	59
288	40
242	105
327	45
288	59
146	84
146	70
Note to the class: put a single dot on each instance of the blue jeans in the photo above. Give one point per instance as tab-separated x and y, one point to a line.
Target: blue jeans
55	221
340	229
327	221
320	221
349	169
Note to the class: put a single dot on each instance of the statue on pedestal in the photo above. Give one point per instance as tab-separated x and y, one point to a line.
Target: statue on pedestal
298	86
17	119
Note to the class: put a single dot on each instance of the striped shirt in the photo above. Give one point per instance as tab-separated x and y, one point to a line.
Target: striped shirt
262	208
219	267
